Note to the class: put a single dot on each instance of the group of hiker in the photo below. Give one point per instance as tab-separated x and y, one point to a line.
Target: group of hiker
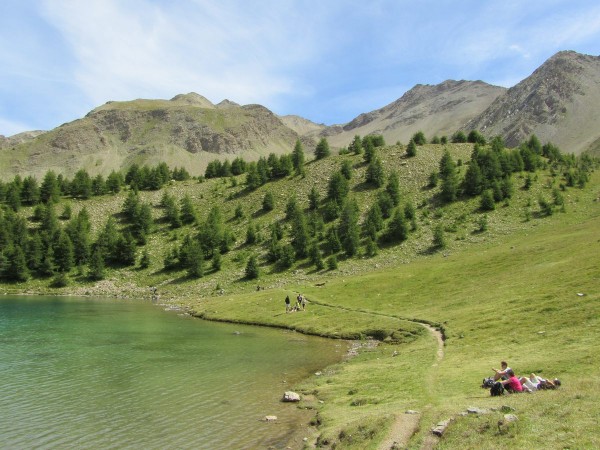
504	379
299	306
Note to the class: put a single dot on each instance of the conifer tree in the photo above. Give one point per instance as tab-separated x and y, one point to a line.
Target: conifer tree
487	202
313	198
411	149
268	202
316	258
322	150
439	238
96	265
99	185
216	261
298	157
17	265
126	249
195	260
459	137
346	169
63	253
449	178
338	188
299	235
473	181
291	208
397	230
332	241
356	145
419	138
188	211
34	252
131	205
369	148
386	204
348	229
81	186
30	191
114	182
251	234
142	223
252	270
50	189
373	223
375	174
172	213
393	188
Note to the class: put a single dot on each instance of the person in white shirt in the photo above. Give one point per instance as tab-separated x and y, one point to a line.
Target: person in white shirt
501	373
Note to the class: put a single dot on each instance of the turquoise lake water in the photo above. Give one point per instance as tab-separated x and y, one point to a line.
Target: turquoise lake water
93	373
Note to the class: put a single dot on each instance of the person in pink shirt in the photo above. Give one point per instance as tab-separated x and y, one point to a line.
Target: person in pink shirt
512	384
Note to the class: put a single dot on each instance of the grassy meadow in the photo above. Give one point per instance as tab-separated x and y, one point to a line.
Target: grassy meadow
523	290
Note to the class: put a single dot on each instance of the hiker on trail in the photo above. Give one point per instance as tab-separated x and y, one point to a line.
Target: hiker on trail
512	384
287	303
303	303
298	302
502	373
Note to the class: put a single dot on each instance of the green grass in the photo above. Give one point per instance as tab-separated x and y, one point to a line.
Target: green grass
509	293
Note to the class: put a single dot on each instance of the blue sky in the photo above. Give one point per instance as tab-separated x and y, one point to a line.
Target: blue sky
325	60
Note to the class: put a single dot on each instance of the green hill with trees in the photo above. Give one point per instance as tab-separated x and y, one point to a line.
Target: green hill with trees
495	247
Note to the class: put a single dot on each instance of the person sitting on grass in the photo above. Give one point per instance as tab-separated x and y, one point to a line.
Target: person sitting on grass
501	374
512	384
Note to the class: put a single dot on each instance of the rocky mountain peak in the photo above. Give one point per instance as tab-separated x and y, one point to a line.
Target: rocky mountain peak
556	102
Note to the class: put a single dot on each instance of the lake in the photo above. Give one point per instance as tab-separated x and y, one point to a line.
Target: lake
103	373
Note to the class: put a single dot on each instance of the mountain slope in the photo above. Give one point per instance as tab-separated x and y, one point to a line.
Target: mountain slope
558	103
187	130
436	110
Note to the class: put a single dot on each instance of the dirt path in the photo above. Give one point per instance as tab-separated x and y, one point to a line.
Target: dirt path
407	424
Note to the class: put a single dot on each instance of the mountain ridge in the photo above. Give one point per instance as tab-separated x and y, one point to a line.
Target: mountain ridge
557	102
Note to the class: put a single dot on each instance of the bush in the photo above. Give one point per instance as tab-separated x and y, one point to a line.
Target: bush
60	280
439	238
487	200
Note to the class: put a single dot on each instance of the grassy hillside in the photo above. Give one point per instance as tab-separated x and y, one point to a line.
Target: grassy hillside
523	290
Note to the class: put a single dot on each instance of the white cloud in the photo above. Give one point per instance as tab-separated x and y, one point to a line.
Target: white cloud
141	49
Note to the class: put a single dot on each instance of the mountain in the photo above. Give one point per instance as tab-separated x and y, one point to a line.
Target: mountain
186	131
436	110
302	126
558	103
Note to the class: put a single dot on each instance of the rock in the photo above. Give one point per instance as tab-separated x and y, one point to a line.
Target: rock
506	408
505	424
475	410
439	429
290	396
270	418
411	411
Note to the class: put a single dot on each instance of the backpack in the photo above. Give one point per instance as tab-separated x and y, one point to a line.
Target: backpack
487	383
497	389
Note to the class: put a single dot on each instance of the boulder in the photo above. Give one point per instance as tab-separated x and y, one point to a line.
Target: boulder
439	429
290	396
270	418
